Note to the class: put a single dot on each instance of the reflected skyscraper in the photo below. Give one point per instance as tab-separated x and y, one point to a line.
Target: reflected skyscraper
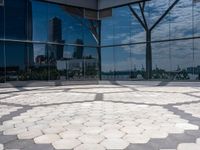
55	35
78	52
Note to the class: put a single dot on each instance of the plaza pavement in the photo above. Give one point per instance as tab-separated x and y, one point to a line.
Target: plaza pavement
117	116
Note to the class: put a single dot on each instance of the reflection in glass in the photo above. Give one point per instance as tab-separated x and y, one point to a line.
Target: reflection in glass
90	63
1	22
182	60
59	26
39	20
196	19
138	61
72	62
181	20
2	63
161	60
197	58
39	66
122	63
16	61
16	19
107	63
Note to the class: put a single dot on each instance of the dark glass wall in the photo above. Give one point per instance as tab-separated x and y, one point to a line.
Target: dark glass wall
2	63
173	41
35	39
1	22
48	41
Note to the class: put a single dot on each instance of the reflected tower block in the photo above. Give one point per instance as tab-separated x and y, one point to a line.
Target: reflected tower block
55	35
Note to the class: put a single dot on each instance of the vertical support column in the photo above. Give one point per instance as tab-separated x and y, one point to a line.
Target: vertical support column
148	55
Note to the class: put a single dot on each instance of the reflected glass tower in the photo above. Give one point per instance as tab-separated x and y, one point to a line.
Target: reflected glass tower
53	51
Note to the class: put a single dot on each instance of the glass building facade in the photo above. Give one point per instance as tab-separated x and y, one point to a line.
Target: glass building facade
141	41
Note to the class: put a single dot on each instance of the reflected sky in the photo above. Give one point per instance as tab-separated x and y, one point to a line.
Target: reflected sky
177	24
182	21
73	27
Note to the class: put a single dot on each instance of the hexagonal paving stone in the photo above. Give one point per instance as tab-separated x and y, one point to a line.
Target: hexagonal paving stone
113	133
38	127
14	131
92	130
188	146
187	126
198	141
53	130
47	138
77	121
135	138
71	127
29	134
132	129
115	144
66	144
71	134
90	147
93	124
91	138
155	134
111	126
1	147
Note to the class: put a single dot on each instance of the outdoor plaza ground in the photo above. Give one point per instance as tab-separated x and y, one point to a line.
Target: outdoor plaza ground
105	116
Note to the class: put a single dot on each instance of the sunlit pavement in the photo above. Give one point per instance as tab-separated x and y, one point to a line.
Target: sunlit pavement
161	116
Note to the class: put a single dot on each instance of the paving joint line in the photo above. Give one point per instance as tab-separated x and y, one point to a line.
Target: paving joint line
172	140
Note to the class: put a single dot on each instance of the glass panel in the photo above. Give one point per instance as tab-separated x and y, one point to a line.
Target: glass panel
107	30
161	31
75	63
197	19
76	32
39	20
138	33
161	60
55	54
90	63
138	59
39	62
2	63
91	32
16	67
182	60
122	25
122	62
197	59
181	20
107	63
155	9
16	19
1	22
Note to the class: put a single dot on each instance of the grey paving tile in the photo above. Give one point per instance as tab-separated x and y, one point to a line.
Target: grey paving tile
140	147
19	144
7	138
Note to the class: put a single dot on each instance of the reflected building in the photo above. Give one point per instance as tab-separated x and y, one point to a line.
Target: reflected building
54	51
78	52
115	40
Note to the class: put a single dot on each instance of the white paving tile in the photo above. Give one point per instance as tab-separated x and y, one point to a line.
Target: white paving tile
188	146
47	138
115	144
66	144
